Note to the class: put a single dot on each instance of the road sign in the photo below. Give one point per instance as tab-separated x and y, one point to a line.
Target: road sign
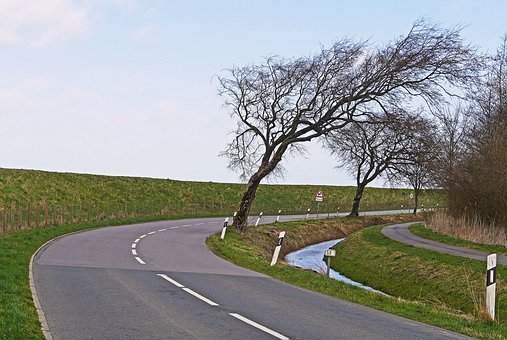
319	197
330	252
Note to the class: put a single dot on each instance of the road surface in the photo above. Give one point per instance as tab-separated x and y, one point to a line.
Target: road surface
159	281
401	233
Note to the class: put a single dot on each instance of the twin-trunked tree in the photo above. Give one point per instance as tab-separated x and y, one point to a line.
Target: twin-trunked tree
283	103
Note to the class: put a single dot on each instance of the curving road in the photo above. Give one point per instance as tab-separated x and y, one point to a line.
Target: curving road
401	233
159	281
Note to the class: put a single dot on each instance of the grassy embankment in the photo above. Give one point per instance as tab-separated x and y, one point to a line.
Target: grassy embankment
65	198
426	286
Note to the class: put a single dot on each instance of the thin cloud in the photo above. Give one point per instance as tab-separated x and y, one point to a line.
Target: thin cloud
40	23
145	34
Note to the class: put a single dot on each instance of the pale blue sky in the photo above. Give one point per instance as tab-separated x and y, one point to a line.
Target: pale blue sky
125	87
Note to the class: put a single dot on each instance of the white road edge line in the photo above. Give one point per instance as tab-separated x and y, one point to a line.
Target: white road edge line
151	232
137	240
174	282
142	236
200	297
139	260
134	245
162	229
261	327
134	252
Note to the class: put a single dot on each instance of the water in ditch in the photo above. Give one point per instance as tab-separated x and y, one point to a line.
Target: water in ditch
311	257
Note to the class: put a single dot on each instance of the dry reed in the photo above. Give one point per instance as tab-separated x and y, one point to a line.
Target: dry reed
469	228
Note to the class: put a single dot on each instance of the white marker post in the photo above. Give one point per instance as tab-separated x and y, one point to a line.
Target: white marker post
224	229
278	216
308	214
491	285
329	253
337	211
277	248
258	219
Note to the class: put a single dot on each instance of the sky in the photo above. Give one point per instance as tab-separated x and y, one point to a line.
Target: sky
126	87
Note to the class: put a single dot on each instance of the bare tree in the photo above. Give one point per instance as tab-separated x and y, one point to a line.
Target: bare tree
480	191
283	103
367	150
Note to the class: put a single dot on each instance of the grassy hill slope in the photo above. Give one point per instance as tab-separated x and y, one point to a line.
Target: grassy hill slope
53	197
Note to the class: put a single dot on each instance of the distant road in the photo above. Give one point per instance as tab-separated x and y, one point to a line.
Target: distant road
401	233
159	281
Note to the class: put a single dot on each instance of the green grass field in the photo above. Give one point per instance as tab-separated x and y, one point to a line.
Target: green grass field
449	282
30	196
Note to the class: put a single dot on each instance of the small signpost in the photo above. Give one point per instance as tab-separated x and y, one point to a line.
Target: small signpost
277	248
329	253
319	198
491	285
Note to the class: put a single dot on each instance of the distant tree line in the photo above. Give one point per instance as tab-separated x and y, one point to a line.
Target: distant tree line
425	110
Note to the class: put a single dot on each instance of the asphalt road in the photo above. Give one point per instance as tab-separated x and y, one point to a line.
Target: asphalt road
159	281
401	233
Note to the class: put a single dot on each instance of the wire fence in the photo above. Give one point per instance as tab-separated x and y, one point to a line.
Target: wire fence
15	216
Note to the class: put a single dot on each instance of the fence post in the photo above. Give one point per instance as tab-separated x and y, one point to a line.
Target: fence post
20	217
45	214
37	215
29	211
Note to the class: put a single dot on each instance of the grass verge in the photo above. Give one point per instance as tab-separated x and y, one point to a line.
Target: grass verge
425	232
253	250
18	317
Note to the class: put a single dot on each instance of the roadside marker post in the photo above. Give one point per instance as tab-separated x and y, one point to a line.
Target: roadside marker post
224	229
491	285
278	216
258	219
329	253
277	248
308	214
337	211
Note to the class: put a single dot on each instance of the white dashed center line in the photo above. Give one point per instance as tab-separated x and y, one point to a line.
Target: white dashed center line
134	245
235	315
174	282
177	227
186	225
134	252
142	236
200	297
137	240
162	229
139	260
151	232
258	326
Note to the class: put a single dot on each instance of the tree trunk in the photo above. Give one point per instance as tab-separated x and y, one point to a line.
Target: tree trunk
357	199
416	200
240	222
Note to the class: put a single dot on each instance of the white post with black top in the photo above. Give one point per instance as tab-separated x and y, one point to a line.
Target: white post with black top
224	229
258	219
277	248
491	285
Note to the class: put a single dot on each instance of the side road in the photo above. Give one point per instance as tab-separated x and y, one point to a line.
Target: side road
401	233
